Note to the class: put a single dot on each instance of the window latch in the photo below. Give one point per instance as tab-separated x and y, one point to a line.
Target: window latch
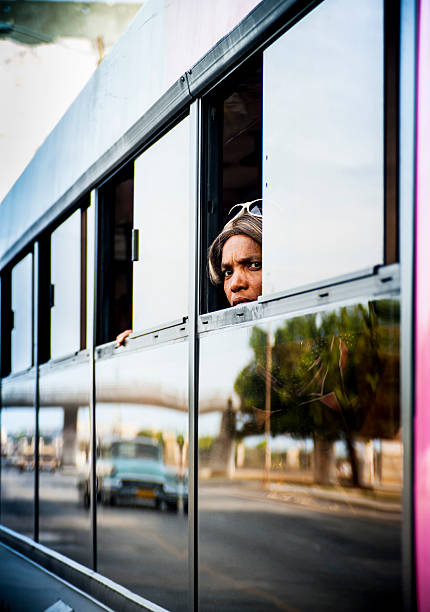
134	245
51	295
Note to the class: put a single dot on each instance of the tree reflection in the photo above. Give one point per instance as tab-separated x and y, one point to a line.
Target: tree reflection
334	376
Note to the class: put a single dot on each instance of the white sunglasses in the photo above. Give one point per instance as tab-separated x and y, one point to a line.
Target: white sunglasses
250	207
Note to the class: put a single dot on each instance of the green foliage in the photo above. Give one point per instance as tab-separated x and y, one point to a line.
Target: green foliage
146	433
334	375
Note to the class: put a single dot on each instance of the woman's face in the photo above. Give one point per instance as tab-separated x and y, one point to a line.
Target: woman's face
241	269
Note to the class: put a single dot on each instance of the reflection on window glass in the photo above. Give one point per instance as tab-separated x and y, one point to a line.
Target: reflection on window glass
142	472
64	518
22	300
66	279
300	462
323	146
17	460
161	203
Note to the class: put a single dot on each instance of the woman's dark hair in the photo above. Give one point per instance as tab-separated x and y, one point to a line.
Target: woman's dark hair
245	225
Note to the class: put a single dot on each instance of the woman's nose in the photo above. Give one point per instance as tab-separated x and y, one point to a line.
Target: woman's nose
238	280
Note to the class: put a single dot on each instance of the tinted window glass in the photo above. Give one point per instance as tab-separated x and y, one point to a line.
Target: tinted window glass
17	461
22	307
142	433
64	518
300	463
66	287
233	141
161	205
115	271
323	146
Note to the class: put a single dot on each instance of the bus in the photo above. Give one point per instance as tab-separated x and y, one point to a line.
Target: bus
292	423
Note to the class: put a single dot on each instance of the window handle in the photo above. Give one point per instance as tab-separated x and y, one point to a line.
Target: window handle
51	295
134	245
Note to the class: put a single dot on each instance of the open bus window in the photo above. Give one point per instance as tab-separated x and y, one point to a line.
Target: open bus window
6	322
17	316
233	158
115	271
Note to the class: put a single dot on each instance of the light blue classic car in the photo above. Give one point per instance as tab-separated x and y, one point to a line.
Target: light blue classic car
132	471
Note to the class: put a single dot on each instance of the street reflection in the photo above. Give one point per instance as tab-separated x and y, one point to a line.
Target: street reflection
64	523
136	472
142	471
17	454
300	449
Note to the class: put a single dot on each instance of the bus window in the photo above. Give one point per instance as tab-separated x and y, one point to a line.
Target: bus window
115	280
233	158
323	146
302	127
161	215
66	287
300	451
6	322
22	313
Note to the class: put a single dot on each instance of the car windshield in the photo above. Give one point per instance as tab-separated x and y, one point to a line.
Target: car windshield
133	450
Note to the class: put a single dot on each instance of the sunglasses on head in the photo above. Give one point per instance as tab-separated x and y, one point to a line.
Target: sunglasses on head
250	207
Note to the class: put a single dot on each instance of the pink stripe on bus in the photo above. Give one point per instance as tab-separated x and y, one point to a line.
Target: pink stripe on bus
422	333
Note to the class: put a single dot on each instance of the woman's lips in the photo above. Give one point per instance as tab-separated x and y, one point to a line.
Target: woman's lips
240	300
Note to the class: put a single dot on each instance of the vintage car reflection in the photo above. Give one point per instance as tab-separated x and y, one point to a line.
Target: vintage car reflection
133	471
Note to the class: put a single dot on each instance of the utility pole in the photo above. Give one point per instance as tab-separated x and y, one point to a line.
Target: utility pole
267	405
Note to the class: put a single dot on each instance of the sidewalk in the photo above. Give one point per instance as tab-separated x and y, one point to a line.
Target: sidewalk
27	587
351	497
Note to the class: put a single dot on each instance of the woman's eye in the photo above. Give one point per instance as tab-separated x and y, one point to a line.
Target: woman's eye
227	273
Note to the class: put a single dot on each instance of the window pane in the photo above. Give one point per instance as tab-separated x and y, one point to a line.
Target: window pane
142	432
300	463
22	300
64	424
161	203
323	146
17	465
115	268
66	278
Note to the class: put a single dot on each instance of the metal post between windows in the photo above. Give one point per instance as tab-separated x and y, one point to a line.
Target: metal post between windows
408	25
92	295
193	355
36	258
